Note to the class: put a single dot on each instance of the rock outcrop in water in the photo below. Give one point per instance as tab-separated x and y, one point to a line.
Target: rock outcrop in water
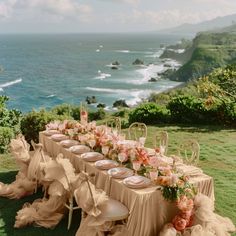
91	100
120	103
138	62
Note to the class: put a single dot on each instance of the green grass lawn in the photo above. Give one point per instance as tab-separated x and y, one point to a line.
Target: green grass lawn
217	159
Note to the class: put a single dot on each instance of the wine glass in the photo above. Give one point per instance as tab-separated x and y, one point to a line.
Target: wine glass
142	141
136	166
121	157
105	150
153	175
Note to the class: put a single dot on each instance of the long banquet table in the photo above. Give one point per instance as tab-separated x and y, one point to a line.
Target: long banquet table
148	209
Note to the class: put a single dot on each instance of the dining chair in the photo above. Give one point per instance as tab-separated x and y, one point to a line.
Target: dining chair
97	207
137	130
115	124
189	151
161	140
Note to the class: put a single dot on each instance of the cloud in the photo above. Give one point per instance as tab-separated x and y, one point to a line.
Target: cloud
61	8
174	17
6	8
132	2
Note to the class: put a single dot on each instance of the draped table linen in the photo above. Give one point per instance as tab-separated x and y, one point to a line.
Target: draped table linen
149	211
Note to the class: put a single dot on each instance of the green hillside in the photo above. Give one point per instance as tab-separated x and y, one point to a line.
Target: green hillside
209	50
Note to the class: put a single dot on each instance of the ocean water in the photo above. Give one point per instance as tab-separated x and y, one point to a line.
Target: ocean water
47	70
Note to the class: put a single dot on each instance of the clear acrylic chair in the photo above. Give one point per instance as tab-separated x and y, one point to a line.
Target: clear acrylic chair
137	130
189	152
115	124
161	141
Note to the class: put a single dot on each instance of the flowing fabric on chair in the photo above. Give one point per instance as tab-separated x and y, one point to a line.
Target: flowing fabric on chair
205	221
47	212
101	211
22	186
138	131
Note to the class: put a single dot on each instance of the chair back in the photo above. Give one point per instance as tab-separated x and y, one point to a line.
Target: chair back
115	124
137	130
189	151
161	141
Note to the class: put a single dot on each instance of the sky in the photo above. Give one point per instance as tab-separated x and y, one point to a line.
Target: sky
73	16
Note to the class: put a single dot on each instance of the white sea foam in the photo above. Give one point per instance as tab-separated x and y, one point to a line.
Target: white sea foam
147	72
177	50
7	84
155	54
107	90
51	96
123	51
98	50
102	76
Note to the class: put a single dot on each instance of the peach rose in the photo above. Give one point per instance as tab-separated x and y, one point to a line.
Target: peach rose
153	161
185	204
179	223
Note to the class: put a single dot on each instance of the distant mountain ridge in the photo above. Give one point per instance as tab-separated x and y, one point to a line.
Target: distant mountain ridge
213	24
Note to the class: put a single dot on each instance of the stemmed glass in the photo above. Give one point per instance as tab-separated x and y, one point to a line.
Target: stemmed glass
153	175
142	141
121	158
136	166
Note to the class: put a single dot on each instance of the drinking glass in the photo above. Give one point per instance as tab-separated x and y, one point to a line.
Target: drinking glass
153	175
142	141
136	166
121	157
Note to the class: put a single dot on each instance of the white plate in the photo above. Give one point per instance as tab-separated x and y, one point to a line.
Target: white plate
69	143
106	164
127	142
120	172
92	156
79	149
59	137
51	132
137	181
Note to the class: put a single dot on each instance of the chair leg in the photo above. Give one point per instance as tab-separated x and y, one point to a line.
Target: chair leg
71	209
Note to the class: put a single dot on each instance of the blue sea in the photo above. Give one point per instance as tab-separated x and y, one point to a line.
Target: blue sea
41	71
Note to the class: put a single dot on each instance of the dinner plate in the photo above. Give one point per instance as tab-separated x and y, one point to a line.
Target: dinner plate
106	164
59	137
51	132
92	156
127	142
79	149
120	172
69	143
137	181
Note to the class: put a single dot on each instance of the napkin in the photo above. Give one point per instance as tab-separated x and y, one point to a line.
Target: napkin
190	170
135	180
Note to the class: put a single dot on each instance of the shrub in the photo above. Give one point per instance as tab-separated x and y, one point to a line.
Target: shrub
67	110
120	113
149	113
6	134
226	113
100	114
34	122
9	118
187	109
